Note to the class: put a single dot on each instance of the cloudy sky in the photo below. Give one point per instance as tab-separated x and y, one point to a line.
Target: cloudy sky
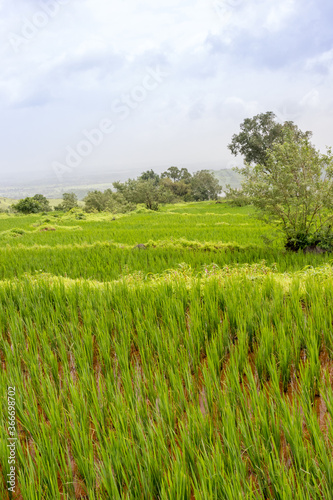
94	85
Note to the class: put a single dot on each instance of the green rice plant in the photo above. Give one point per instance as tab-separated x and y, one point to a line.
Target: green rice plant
264	353
310	371
284	354
291	421
322	450
176	482
78	425
327	394
162	380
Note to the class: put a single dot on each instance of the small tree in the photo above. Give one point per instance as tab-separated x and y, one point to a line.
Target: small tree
117	203
295	188
141	191
95	200
147	192
236	197
179	190
69	202
107	201
28	206
205	186
44	202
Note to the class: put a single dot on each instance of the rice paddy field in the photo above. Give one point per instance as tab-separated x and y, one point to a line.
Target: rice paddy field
197	365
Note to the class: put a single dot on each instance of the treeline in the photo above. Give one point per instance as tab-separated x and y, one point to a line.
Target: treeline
151	189
39	203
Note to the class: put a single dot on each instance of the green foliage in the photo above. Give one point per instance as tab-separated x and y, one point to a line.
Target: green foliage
147	192
205	186
69	201
258	134
149	175
294	188
107	201
12	233
96	200
43	201
35	204
28	206
173	186
138	191
236	197
178	190
177	174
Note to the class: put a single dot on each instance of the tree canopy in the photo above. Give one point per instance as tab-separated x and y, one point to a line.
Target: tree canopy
175	184
44	202
69	201
177	174
28	206
32	205
108	200
258	134
205	186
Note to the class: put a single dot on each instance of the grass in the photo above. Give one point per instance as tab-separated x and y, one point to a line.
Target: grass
191	369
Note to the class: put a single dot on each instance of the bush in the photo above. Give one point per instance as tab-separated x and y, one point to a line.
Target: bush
28	206
236	197
301	241
98	201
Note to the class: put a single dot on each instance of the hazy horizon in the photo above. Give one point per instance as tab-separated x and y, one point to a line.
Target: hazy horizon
89	88
104	174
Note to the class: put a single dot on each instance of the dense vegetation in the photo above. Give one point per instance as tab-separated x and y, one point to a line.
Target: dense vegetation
195	365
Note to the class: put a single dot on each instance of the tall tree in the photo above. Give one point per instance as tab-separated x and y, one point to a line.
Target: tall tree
294	188
258	134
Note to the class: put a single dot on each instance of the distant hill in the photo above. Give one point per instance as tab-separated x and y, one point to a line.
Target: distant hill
227	176
51	192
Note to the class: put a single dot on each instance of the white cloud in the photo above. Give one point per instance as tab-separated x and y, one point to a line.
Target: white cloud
322	62
223	66
279	14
